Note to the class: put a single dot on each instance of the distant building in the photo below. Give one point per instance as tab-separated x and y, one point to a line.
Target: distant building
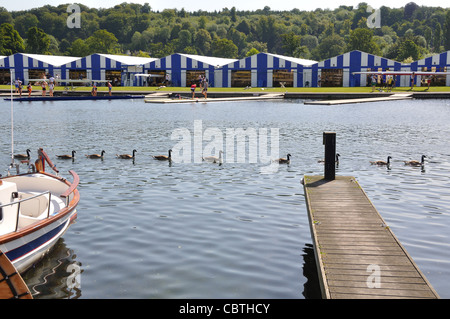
337	71
181	69
267	70
436	63
28	67
118	69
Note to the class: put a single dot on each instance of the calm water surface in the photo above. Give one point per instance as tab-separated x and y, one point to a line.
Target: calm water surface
147	229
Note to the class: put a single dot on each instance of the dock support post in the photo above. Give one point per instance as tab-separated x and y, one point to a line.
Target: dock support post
329	140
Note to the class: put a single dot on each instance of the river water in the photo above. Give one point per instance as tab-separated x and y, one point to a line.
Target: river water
147	229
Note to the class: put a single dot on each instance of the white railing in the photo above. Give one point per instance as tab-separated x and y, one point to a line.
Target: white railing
24	200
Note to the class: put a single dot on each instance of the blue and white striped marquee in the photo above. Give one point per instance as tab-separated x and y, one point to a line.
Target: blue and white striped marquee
265	70
180	69
345	64
436	63
26	66
104	67
259	70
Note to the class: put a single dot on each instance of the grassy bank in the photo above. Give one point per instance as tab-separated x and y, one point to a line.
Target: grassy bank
281	90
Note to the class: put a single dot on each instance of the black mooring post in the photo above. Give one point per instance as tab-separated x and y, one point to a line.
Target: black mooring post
329	140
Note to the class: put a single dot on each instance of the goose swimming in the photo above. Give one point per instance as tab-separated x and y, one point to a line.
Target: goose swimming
67	156
284	160
96	155
213	159
23	156
382	163
164	157
416	163
127	156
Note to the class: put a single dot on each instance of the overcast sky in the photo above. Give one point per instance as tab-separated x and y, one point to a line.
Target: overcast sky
211	5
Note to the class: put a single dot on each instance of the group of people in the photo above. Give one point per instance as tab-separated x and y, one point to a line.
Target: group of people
202	83
50	85
19	87
94	89
387	83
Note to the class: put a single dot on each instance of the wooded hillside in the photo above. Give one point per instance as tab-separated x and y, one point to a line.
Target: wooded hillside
406	34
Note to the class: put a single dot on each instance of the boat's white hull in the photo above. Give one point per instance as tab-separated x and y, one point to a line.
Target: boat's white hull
29	232
24	252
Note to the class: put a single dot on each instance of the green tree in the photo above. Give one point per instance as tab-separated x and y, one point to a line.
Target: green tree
79	48
437	37
24	22
224	48
10	40
267	31
292	45
103	41
362	40
447	31
184	40
38	41
202	41
329	47
408	49
251	52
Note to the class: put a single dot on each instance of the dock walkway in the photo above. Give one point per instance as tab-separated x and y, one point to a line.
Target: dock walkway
205	100
357	254
393	97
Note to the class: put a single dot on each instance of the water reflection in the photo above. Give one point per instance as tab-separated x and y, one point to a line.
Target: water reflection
311	286
56	276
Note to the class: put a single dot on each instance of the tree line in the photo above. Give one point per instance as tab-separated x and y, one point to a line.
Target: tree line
405	34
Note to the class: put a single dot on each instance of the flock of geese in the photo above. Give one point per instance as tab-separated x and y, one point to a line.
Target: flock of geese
210	159
93	156
409	163
215	159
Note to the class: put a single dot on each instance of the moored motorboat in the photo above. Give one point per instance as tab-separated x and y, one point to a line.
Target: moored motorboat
36	209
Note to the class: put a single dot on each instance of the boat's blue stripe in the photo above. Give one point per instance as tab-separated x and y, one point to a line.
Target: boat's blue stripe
25	249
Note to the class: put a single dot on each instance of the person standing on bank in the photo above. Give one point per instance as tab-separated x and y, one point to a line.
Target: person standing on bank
30	89
374	82
205	88
44	87
109	88
20	88
193	87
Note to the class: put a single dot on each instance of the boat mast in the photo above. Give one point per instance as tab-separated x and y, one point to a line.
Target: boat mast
12	123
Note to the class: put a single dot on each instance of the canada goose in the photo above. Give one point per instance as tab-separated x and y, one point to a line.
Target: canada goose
67	156
284	160
337	159
127	156
213	159
164	157
23	156
382	163
416	163
96	155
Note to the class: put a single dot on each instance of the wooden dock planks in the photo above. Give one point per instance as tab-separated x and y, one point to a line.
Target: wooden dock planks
357	254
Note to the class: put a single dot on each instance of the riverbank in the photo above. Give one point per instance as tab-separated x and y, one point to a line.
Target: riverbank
295	93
